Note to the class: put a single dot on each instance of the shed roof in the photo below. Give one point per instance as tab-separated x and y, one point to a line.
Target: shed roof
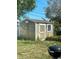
38	21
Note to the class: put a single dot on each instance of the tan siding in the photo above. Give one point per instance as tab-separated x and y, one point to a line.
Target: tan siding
45	34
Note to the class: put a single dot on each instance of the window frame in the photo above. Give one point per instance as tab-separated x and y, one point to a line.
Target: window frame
50	26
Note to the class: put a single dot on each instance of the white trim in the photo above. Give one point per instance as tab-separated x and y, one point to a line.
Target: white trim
42	32
52	28
35	31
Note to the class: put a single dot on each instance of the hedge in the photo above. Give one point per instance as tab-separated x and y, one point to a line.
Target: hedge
54	38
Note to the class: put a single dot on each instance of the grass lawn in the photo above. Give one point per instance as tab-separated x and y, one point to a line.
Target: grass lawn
34	49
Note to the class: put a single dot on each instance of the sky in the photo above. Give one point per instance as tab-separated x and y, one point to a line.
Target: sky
39	10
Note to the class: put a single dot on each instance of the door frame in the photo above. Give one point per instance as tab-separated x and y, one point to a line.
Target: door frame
42	32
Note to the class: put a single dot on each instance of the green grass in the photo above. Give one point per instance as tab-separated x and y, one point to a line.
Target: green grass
34	49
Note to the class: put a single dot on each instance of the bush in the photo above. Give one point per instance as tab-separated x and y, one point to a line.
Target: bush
49	38
57	38
54	38
21	38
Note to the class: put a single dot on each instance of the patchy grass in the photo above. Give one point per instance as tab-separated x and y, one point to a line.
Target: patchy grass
34	49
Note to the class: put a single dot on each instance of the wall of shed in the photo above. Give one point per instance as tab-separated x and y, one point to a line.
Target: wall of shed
31	31
36	31
27	31
47	34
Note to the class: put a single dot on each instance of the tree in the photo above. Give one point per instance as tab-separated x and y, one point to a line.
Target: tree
53	11
24	6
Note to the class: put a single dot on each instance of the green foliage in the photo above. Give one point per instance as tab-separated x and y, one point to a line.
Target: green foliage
27	49
53	11
54	38
24	6
57	28
57	38
21	38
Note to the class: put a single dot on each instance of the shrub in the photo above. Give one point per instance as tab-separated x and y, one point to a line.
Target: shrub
54	38
21	38
57	38
49	38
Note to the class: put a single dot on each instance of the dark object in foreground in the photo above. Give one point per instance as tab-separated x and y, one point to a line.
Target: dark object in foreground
55	51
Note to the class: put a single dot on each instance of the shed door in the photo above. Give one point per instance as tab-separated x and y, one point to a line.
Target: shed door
42	31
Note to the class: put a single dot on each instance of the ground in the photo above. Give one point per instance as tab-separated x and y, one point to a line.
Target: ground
34	49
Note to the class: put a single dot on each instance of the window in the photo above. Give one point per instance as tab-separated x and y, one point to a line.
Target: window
49	28
42	28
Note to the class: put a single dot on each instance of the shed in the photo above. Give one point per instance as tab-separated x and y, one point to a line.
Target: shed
36	29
